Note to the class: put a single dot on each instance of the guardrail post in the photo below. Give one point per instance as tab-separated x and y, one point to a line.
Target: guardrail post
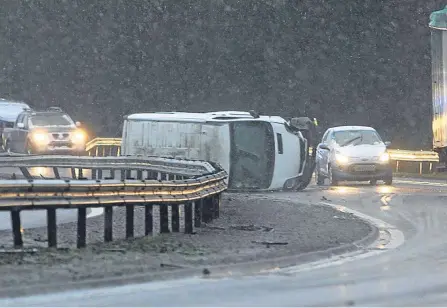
56	173
73	173
51	227
82	227
112	175
148	220
207	213
93	170
108	224
99	176
198	213
16	228
25	172
164	219
139	174
175	218
188	218
129	221
216	206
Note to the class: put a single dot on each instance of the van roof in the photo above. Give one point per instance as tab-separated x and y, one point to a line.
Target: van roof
200	117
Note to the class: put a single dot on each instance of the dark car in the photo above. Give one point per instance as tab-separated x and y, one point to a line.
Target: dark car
9	111
50	131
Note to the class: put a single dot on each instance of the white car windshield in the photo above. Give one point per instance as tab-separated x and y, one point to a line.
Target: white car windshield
357	137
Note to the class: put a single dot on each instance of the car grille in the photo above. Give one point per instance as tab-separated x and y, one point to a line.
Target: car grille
364	168
60	136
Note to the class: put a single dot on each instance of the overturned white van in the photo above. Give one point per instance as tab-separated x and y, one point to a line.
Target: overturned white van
258	152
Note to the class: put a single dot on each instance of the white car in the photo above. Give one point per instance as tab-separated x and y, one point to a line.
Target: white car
353	153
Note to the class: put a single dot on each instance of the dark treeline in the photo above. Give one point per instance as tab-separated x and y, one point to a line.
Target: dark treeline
344	62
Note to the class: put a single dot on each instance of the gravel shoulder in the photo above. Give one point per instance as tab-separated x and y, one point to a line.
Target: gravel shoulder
250	228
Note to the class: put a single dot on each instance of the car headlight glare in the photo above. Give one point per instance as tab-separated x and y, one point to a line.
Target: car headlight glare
385	157
79	137
40	138
341	159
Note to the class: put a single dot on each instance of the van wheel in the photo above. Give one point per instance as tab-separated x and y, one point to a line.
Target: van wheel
388	181
373	182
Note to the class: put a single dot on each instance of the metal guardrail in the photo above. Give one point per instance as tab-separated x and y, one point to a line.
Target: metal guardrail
147	182
396	154
414	156
402	160
104	147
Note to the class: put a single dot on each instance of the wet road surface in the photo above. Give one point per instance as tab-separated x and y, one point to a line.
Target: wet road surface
411	274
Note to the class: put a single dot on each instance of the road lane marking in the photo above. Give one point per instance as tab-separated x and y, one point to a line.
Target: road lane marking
389	238
423	183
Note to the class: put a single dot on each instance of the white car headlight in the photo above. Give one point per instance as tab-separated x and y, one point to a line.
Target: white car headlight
79	137
40	138
385	157
341	159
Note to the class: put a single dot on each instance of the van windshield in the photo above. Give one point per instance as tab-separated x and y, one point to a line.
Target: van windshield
252	155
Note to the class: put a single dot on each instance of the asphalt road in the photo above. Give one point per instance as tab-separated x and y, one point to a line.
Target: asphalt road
406	267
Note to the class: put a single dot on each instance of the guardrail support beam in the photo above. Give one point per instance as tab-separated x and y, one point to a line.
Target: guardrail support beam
216	206
175	218
51	227
164	219
99	175
129	221
82	227
16	228
108	224
198	213
207	212
73	173
56	173
112	174
188	218
148	220
26	173
139	174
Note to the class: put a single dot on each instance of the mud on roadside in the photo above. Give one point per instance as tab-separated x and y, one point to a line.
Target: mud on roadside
250	228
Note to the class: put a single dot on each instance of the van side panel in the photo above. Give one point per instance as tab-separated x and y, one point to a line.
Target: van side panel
177	139
287	164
